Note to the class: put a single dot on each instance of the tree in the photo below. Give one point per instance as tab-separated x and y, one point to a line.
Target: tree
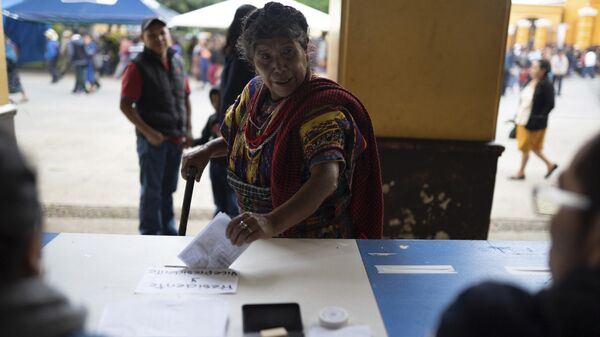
322	5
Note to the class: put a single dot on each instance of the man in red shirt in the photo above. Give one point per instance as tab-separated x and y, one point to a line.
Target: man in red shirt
155	98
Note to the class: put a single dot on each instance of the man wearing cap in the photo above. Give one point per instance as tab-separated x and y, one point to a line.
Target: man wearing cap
155	98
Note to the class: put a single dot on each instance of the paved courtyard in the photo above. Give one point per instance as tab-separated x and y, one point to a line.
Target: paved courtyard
84	150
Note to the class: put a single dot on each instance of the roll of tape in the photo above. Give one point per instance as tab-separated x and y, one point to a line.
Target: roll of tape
333	317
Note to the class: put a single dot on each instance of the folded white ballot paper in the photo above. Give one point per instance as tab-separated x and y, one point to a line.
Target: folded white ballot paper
211	249
165	317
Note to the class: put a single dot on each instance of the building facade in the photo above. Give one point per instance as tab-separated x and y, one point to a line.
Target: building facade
538	23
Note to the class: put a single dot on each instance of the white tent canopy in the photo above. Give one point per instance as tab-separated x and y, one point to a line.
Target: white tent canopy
221	14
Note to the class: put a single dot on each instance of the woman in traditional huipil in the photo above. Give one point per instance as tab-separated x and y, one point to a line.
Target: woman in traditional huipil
302	156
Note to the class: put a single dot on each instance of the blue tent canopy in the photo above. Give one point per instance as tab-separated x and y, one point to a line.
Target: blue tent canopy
26	20
86	11
29	38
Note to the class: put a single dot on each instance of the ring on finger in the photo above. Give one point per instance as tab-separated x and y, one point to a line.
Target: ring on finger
243	225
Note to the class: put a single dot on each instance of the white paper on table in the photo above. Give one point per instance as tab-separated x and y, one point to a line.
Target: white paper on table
165	317
382	254
531	270
347	331
181	280
415	269
211	249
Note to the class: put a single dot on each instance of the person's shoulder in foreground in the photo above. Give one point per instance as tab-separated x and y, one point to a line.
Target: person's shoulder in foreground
571	305
470	315
28	306
492	309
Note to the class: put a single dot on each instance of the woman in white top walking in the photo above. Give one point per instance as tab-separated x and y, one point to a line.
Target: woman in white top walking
537	100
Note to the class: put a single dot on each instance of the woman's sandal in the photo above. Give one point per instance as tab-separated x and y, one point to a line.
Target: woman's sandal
554	167
517	177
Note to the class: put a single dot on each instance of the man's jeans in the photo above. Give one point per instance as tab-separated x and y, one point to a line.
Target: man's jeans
558	78
159	170
588	70
51	65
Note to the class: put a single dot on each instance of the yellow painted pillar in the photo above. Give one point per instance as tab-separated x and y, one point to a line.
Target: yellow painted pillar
412	65
585	26
3	78
430	74
511	37
523	27
541	33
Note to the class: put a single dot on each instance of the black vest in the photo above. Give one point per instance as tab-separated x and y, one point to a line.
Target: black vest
162	103
79	56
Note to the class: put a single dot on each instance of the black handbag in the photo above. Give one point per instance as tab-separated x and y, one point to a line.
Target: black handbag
513	133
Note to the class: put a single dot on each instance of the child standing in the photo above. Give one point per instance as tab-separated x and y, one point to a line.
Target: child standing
223	196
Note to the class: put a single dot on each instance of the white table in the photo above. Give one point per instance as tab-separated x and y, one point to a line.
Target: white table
97	269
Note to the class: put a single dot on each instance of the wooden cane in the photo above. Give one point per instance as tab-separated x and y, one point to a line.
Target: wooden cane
187	200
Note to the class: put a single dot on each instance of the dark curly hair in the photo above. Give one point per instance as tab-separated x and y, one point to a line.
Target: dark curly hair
272	21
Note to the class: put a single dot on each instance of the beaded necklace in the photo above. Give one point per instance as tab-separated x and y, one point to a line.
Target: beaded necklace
271	110
258	128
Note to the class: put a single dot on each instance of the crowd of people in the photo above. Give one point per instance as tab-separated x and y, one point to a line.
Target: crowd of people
564	62
80	52
91	56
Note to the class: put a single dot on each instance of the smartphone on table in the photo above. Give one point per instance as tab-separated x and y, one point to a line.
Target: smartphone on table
257	317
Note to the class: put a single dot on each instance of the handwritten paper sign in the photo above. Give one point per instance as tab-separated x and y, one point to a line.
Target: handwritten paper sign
180	280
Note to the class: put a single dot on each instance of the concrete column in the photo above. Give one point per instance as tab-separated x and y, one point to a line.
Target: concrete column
523	27
541	33
585	26
561	34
